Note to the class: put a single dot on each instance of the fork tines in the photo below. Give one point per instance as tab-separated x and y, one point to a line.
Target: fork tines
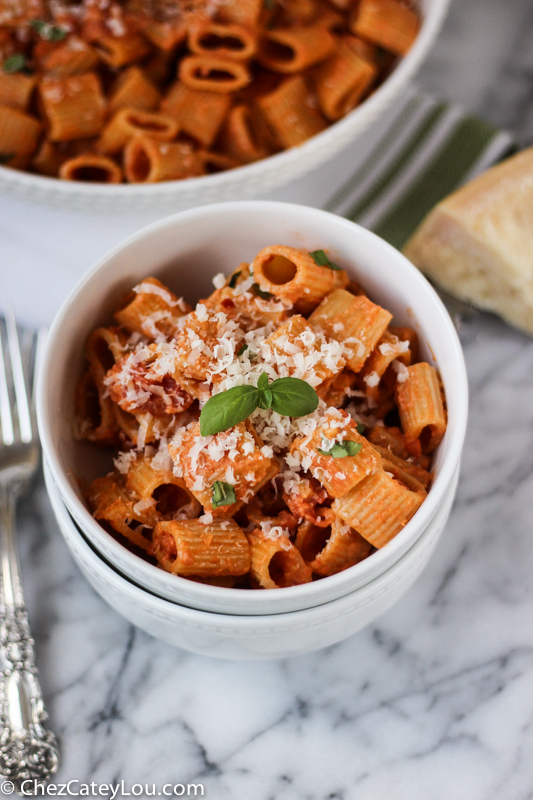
19	356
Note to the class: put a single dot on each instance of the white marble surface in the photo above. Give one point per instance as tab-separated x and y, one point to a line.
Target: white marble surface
434	701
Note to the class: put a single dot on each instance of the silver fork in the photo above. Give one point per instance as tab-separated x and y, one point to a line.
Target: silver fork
28	749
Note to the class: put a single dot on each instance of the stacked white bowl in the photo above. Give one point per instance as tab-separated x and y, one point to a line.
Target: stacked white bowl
186	251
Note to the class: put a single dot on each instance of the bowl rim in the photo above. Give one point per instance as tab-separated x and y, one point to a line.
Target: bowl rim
275	164
212	594
239	623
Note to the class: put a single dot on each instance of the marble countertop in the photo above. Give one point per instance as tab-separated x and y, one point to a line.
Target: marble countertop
432	702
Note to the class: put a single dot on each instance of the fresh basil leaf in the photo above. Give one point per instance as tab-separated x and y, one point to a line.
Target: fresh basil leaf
293	397
262	383
242	350
14	64
223	494
320	258
49	32
260	293
361	428
352	448
227	409
342	449
266	399
233	280
5	158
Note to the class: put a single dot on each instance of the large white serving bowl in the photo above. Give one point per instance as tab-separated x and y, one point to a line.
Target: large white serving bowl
249	637
246	181
185	251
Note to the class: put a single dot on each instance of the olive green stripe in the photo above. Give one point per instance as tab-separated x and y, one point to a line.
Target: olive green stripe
404	157
438	179
375	156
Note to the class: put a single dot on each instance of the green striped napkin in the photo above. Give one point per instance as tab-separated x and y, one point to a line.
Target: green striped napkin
424	151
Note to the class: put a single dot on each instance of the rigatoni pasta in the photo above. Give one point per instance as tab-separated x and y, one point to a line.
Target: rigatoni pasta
74	107
253	451
241	79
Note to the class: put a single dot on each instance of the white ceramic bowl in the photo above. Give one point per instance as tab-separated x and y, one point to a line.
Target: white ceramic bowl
245	637
186	251
245	181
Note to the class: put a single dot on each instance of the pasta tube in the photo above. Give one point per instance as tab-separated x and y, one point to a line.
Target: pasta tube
213	74
74	57
166	35
356	321
275	561
378	507
140	428
16	90
216	162
169	494
293	50
91	168
331	550
303	352
130	122
234	458
244	137
119	51
19	134
148	161
290	111
190	547
339	472
293	275
95	418
200	114
151	310
379	366
74	107
133	89
225	41
386	23
112	504
401	468
48	159
342	81
420	406
245	12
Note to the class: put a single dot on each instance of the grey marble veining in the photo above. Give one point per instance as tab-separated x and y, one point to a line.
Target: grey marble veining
435	700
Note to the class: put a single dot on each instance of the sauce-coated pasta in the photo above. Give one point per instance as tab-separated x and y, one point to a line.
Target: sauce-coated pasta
277	433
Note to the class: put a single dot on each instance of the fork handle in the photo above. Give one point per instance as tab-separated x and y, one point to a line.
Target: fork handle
28	749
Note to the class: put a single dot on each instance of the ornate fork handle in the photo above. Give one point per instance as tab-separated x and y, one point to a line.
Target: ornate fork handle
28	749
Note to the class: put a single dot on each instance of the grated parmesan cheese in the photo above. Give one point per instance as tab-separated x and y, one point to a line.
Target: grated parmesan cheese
372	379
219	281
401	370
124	461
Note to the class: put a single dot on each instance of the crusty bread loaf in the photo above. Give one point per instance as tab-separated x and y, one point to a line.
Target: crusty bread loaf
477	244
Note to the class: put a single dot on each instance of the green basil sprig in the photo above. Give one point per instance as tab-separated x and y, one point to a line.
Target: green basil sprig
320	258
290	397
47	31
342	449
223	494
361	427
14	64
